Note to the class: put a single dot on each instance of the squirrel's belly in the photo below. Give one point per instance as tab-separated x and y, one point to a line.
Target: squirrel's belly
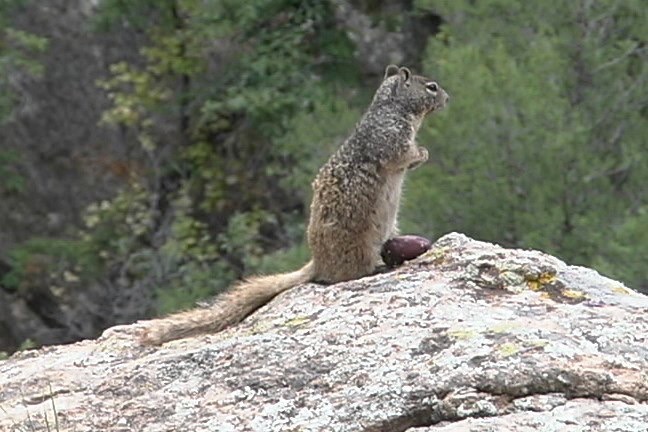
387	205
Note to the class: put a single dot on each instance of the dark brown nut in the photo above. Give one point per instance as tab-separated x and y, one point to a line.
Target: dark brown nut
403	248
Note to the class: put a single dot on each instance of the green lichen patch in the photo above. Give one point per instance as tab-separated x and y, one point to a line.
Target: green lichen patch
505	327
462	334
536	283
558	292
435	256
508	349
621	290
551	287
297	321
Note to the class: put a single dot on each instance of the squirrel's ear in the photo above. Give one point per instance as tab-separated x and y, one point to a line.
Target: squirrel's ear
405	74
390	70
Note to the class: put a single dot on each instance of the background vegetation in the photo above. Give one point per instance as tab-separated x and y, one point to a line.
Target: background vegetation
229	107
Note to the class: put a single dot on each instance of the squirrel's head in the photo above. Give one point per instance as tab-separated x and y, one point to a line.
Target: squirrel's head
416	94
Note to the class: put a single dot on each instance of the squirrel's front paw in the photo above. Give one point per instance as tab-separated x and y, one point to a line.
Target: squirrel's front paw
423	152
422	157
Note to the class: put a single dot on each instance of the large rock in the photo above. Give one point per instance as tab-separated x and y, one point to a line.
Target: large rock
469	336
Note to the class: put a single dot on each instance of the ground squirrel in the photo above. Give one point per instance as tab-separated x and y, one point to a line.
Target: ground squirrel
354	210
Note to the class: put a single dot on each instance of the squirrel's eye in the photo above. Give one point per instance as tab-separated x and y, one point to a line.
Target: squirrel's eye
433	87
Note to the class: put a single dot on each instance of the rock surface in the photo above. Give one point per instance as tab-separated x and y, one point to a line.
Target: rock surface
468	337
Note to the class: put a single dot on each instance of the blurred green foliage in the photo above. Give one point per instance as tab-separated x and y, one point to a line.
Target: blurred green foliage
12	181
17	56
27	344
236	105
18	52
227	198
544	145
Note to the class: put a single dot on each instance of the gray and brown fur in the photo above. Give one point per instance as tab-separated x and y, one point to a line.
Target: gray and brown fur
356	197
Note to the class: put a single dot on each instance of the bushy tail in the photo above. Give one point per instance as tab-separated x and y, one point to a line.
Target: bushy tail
229	308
